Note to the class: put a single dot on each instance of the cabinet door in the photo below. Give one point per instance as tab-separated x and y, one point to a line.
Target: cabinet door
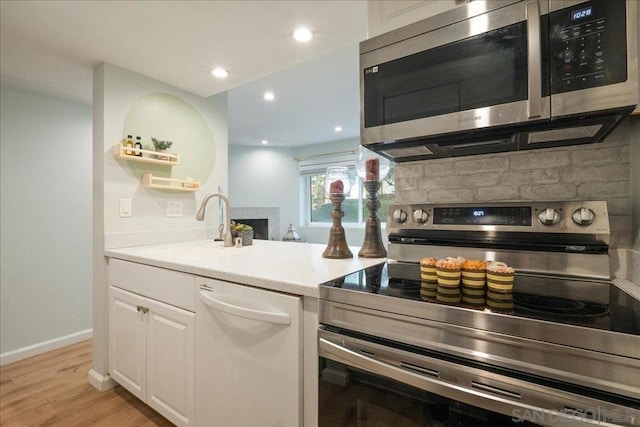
127	344
249	357
170	362
387	15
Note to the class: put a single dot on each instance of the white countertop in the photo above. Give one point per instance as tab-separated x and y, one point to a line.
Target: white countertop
296	268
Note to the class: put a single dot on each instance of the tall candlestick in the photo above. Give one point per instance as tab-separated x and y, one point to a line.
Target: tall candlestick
372	246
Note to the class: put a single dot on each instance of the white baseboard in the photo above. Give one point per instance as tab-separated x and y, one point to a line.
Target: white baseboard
43	347
101	382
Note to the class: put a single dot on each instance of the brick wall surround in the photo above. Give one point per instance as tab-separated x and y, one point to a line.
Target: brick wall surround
598	171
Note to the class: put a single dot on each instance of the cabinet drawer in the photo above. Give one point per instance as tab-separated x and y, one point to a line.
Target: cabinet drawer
168	286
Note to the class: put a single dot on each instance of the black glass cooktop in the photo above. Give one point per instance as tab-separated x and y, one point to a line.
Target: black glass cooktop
592	304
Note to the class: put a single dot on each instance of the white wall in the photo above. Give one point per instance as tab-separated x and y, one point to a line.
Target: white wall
122	89
269	177
45	188
265	177
115	92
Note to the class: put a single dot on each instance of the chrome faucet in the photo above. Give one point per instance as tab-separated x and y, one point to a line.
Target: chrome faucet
200	216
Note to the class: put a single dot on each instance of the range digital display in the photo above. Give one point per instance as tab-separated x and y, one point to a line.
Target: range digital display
483	215
581	13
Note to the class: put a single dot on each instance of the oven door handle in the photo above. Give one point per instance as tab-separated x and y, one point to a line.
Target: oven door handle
341	354
338	353
534	59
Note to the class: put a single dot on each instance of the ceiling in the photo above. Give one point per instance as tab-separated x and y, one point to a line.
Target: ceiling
52	47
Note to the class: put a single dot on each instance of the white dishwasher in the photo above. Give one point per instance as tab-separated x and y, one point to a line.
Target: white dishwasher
248	356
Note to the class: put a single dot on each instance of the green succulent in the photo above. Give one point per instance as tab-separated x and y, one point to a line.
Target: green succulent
161	145
243	227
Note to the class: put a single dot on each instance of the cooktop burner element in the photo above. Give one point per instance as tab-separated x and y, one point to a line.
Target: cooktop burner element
560	306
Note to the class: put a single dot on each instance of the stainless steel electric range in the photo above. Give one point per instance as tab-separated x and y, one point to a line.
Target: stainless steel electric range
565	352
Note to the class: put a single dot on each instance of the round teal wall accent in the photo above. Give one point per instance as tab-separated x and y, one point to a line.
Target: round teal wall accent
167	117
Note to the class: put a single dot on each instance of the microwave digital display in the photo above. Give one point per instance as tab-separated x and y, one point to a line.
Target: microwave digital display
582	13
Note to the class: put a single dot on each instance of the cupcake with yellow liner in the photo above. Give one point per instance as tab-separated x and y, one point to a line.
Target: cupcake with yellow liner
449	271
428	270
429	276
500	277
473	273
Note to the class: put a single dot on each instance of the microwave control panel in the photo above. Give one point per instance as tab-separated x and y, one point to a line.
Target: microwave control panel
588	45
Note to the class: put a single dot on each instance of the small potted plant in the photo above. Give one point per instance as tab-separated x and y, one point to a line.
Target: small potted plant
161	147
245	231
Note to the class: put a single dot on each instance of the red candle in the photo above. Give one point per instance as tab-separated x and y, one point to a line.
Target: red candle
372	168
336	187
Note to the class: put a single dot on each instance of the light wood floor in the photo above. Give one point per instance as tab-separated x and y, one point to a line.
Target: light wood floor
51	389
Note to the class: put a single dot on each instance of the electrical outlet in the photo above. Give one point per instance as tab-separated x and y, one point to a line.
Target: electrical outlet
174	209
125	208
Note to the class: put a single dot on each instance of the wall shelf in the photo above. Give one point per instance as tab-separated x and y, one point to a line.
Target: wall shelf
120	152
172	184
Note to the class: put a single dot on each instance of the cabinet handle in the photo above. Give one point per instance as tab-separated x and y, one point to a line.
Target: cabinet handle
142	309
139	308
248	313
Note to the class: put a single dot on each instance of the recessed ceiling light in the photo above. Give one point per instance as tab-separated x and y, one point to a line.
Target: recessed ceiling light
219	72
264	141
302	34
269	96
338	129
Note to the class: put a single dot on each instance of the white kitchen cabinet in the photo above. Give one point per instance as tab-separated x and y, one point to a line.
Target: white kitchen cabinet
387	15
127	342
248	356
151	343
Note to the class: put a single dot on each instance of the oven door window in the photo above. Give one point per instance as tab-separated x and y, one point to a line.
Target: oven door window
480	71
349	397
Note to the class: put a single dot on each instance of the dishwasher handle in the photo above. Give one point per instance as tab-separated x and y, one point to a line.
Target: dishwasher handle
247	313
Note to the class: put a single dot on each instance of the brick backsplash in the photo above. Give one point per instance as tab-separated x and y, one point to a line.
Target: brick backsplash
598	171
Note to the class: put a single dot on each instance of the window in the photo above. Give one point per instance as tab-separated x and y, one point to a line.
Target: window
320	206
316	206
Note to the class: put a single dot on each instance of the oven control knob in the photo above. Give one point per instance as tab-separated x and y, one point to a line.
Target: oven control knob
583	216
549	216
399	216
420	216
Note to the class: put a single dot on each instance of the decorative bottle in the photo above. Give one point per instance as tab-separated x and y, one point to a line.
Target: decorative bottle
138	145
129	144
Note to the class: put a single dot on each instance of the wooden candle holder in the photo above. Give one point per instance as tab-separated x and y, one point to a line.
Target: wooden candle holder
372	246
337	246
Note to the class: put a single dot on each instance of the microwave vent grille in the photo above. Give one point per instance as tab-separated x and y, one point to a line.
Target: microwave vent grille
570	133
408	152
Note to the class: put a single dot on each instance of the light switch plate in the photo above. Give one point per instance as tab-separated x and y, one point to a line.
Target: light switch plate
174	209
126	209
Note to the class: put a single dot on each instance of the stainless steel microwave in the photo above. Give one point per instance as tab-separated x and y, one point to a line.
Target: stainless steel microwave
492	76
